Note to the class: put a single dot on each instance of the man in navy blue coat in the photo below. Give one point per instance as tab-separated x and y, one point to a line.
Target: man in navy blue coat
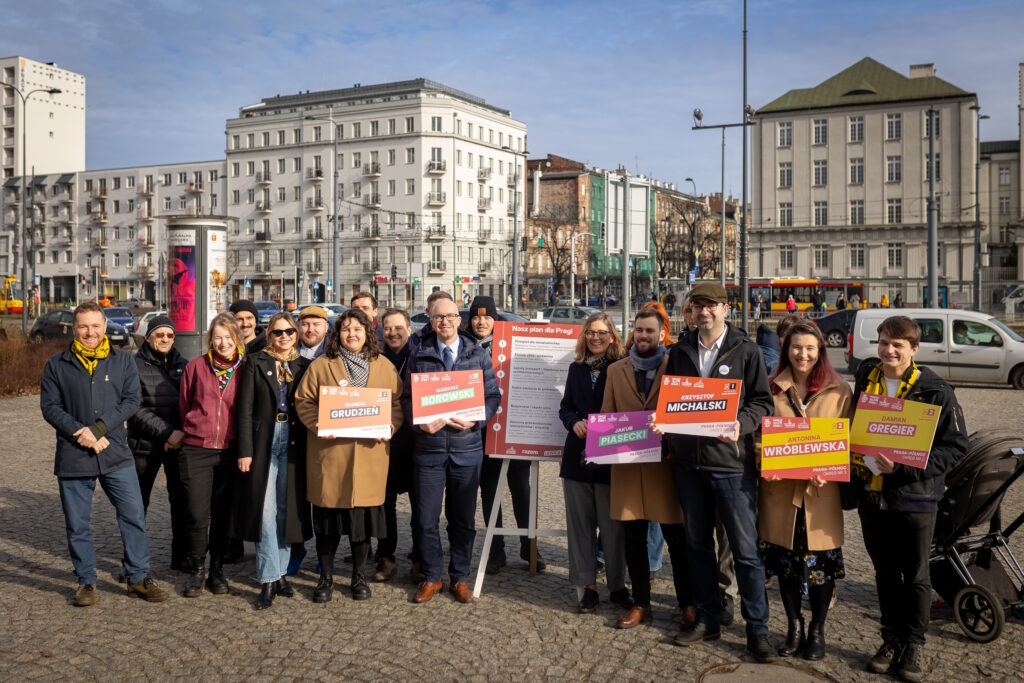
447	455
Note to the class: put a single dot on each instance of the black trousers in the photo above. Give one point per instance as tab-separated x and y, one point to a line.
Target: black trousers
207	476
639	565
898	544
386	546
518	486
147	467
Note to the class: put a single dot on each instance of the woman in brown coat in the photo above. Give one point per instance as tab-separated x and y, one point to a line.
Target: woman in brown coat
800	522
346	478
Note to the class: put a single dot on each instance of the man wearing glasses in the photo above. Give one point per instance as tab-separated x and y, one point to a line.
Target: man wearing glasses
447	455
720	474
154	432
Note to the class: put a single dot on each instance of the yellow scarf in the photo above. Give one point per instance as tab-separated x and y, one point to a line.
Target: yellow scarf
876	385
90	358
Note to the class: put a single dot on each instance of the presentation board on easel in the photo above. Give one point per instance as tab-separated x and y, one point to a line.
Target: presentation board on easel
531	362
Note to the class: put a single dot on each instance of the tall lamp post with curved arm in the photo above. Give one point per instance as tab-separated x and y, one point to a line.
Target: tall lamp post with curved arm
25	250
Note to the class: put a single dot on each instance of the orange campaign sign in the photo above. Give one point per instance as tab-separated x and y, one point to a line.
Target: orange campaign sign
805	447
699	406
444	395
899	429
354	412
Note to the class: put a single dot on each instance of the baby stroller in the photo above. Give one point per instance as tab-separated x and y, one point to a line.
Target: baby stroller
976	572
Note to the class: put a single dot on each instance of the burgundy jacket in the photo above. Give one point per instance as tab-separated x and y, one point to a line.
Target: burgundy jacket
207	416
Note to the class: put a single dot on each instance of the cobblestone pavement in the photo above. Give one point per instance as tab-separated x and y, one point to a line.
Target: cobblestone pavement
522	628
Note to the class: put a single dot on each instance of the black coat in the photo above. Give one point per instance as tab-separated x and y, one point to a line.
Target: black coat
255	410
578	402
400	465
158	416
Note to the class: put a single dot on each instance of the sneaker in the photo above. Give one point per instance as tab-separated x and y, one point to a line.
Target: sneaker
85	595
697	633
589	602
149	590
761	648
884	659
386	570
909	666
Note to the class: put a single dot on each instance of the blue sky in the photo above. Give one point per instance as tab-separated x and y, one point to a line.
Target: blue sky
604	82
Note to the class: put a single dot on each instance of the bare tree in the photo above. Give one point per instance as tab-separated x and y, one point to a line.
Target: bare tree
555	225
689	235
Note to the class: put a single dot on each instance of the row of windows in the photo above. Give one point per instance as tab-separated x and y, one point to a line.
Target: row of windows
167	179
893	170
129	206
855	129
356	158
893	212
390	220
357	255
822	255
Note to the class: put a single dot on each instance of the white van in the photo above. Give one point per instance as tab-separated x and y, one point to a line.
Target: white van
959	346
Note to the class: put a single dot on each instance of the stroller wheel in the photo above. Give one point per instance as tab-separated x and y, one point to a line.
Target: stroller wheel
979	613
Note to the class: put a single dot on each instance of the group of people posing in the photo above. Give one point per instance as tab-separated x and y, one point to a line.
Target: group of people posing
236	432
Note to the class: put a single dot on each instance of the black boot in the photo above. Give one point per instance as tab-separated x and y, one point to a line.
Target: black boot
216	582
283	588
325	586
820	597
791	596
194	584
360	591
266	598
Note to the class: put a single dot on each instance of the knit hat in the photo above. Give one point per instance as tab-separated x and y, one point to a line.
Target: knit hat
157	322
244	305
483	305
309	311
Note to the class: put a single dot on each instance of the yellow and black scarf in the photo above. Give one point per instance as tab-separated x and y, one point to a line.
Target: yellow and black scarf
284	371
90	358
872	483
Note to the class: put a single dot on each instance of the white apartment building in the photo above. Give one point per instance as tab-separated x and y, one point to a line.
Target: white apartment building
840	182
425	193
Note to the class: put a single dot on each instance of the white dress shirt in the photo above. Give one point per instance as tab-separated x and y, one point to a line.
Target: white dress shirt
706	355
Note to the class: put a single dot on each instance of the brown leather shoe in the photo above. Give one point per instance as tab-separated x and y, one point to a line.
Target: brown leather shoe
687	615
427	590
461	592
634	616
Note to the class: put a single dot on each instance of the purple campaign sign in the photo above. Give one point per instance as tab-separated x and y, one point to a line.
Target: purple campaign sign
621	438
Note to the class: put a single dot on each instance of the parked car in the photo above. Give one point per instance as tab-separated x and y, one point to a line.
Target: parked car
57	325
959	346
568	314
265	310
122	316
333	311
142	329
595	300
135	303
835	327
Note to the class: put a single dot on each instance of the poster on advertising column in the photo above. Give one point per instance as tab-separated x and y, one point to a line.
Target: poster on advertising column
217	268
531	361
181	279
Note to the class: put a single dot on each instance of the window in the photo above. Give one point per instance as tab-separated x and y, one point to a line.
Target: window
1004	175
435	124
856	129
167	203
391	188
410	155
894	254
785	174
235	196
357	189
931	330
297	224
250	168
821	172
250	140
357	159
410	124
928	166
357	130
894	211
374	129
280	137
297	164
281	166
785	214
1004	206
821	256
266	139
820	131
893	126
391	157
786	257
235	142
856	212
391	126
296	135
821	213
857	171
785	133
282	225
182	178
928	123
410	186
282	194
894	169
857	255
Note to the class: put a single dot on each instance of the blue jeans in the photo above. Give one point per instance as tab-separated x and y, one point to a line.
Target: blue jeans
655	546
735	498
272	553
122	489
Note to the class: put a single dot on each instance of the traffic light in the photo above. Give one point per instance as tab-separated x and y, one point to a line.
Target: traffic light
394	273
83	281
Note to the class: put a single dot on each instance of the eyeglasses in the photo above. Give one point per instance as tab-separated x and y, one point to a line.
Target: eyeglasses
163	335
280	333
451	317
707	307
594	334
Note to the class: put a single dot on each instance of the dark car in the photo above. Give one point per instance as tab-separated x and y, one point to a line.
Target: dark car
835	327
266	310
57	325
120	315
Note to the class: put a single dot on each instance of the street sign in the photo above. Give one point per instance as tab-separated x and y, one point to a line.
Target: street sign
551	280
248	283
330	283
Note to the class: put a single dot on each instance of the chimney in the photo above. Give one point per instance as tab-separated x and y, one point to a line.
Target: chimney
922	70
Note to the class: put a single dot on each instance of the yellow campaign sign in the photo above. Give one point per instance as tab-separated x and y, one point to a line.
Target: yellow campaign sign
899	429
805	447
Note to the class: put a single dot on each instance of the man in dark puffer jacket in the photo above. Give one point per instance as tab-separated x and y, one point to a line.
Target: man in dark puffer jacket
154	432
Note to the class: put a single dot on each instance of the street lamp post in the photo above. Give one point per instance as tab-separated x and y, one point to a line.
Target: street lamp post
515	225
335	243
25	247
977	210
698	121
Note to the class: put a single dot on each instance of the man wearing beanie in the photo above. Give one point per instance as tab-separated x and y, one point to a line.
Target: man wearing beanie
313	331
247	318
154	432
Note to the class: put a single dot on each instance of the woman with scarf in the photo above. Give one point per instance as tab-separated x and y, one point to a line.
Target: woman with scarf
800	521
270	496
206	462
587	488
346	477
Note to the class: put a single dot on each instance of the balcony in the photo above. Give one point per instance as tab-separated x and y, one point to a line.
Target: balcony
436	167
99	217
263	178
436	198
436	267
436	232
484	234
145	190
98	244
372	232
371	169
371	201
371	266
39	238
315	174
263	207
315	267
483	173
144	272
98	193
483	203
262	237
39	200
510	180
195	188
144	243
262	267
144	214
314	204
314	235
